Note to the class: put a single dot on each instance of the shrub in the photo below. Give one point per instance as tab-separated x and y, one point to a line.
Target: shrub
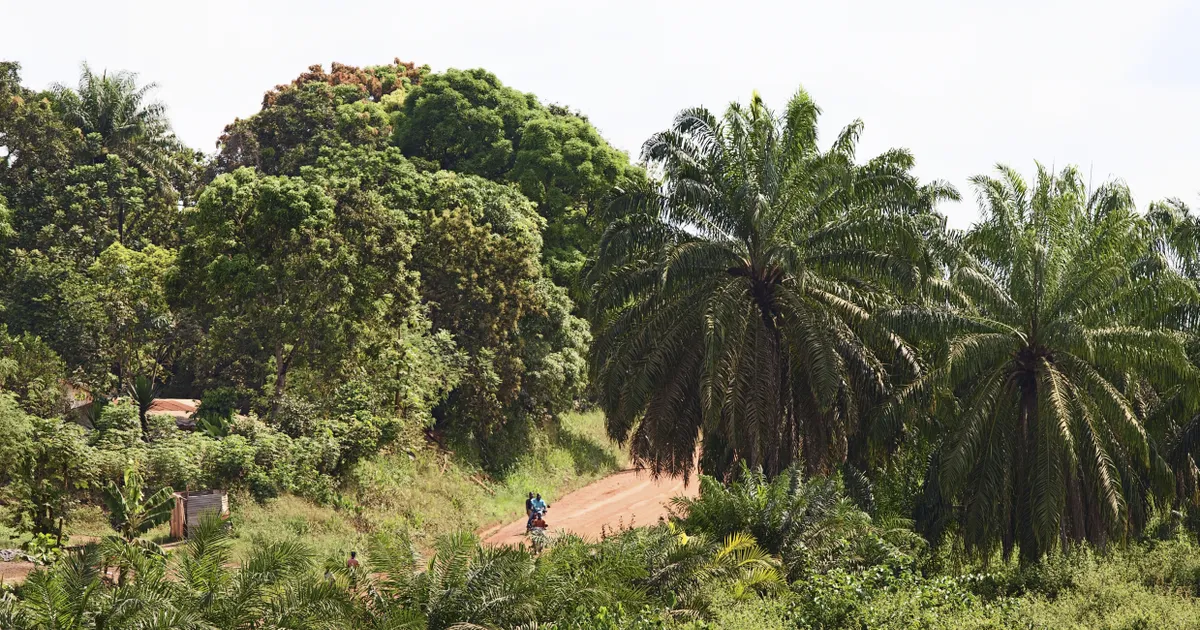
160	426
810	523
358	436
297	417
49	468
177	462
118	427
231	460
218	403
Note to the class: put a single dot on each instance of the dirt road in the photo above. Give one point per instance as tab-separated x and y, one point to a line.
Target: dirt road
628	497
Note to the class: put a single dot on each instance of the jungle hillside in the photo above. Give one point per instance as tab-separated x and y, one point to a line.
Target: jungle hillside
381	310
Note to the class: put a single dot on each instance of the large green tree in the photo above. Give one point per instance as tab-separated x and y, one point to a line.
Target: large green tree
734	309
470	122
83	170
1056	323
36	147
75	186
465	121
319	110
477	246
281	271
44	464
126	290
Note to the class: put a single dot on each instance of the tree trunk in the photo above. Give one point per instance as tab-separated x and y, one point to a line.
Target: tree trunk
281	368
1078	527
1026	536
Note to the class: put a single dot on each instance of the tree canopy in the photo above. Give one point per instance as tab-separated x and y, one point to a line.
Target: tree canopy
735	305
385	255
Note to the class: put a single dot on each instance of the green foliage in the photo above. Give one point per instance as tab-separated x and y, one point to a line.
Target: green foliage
463	120
143	392
214	426
46	150
654	571
345	107
118	426
809	523
1057	325
281	272
477	246
33	372
87	170
45	296
565	166
468	121
126	290
115	109
383	253
132	510
45	465
732	307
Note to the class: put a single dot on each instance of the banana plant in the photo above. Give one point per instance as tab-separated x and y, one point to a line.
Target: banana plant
133	513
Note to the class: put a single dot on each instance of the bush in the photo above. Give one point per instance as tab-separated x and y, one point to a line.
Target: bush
231	460
219	403
358	436
810	523
297	417
177	462
47	471
160	426
119	426
32	371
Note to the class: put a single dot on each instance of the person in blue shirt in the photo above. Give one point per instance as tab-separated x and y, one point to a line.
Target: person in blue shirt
536	506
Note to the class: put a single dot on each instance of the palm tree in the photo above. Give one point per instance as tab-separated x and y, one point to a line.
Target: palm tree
128	123
143	392
1176	233
1055	323
734	306
810	523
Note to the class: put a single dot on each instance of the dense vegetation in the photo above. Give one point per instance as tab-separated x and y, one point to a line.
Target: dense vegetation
814	561
895	424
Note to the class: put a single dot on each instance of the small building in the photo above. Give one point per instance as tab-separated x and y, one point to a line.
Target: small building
190	508
182	409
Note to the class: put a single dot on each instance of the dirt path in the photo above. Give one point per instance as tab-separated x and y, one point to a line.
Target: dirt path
16	571
629	498
622	499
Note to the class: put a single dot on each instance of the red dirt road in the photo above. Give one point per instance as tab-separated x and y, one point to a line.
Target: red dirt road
629	497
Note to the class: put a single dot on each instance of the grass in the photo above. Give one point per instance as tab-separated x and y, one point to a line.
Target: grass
432	493
429	494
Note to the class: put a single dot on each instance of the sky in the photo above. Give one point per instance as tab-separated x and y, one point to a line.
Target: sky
1113	87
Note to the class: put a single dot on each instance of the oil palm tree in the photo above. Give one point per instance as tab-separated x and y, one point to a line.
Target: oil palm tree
1057	320
810	523
1176	233
733	306
128	123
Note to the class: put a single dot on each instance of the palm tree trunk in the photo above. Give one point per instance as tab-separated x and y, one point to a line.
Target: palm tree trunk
1077	530
1026	536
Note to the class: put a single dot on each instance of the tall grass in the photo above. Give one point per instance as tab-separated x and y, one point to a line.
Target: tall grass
430	493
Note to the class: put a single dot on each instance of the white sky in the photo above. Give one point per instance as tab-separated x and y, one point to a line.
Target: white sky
1111	86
